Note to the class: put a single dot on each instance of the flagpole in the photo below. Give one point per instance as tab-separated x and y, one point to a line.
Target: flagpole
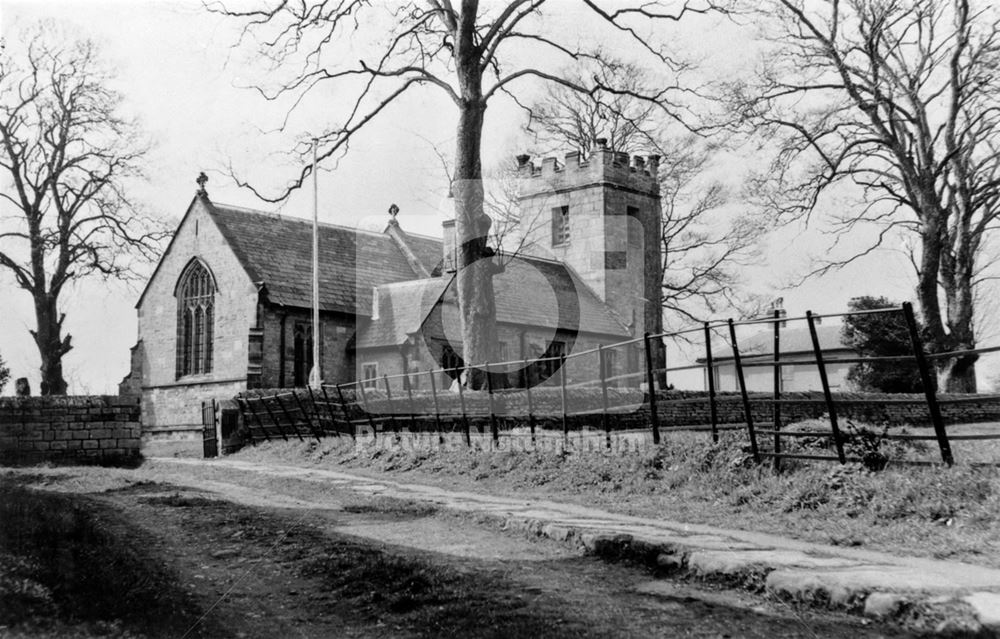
316	376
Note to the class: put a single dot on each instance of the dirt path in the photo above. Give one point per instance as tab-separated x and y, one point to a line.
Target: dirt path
302	560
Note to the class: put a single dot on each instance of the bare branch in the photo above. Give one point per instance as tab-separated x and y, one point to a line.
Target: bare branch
896	102
69	155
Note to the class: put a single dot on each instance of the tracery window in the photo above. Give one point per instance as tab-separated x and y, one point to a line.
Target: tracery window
195	317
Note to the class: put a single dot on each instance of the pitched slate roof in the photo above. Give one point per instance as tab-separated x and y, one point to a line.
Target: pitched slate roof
402	309
793	340
427	249
278	252
528	282
528	292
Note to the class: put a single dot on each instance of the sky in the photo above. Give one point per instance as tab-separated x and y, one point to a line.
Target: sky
181	79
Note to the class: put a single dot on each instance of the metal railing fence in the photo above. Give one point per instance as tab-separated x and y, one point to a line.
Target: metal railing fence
604	390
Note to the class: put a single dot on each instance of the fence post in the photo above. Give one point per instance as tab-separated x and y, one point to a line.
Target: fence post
651	383
710	373
359	387
604	396
284	411
562	388
747	410
409	402
777	390
930	388
263	428
329	409
315	410
531	407
305	416
461	402
437	409
274	419
347	414
830	407
316	414
494	431
388	402
243	416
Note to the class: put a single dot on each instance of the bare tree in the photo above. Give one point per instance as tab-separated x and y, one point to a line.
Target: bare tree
704	249
622	121
473	55
897	101
66	156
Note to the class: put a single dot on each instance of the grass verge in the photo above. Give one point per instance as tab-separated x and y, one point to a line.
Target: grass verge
72	567
948	513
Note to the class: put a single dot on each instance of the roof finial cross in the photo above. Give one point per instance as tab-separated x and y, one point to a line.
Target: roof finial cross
202	179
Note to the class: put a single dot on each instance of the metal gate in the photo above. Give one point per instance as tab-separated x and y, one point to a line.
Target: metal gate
210	439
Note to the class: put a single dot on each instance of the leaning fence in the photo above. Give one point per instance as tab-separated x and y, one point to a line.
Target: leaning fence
619	393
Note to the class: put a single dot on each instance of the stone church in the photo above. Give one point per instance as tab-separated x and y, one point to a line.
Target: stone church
228	307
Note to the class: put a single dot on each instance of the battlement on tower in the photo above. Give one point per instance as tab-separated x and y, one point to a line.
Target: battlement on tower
601	166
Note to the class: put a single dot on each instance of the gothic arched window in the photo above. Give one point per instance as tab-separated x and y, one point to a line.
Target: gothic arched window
195	313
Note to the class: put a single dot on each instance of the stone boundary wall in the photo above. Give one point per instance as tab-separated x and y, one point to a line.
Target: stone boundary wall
100	429
675	409
679	408
874	408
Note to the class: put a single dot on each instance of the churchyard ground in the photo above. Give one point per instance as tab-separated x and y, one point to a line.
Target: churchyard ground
945	513
166	551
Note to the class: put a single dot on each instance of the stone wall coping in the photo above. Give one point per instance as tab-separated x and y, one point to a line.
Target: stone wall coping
76	401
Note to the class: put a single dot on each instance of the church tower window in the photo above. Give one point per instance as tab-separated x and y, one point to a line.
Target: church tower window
195	316
560	225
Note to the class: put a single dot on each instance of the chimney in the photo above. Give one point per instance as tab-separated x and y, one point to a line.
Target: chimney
450	249
375	303
778	305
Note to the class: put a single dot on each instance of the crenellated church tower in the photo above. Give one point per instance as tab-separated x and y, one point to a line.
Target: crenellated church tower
601	216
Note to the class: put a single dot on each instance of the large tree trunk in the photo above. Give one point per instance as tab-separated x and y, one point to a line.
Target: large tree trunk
955	374
958	374
51	345
475	266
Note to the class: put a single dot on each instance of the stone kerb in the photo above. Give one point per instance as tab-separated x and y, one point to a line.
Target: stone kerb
102	429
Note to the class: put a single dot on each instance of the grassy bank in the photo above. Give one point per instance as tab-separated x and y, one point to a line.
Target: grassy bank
70	567
925	511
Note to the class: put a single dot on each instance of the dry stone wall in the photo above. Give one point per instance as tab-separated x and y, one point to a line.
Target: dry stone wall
103	430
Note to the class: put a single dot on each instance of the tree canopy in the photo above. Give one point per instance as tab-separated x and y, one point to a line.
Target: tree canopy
899	104
880	335
67	154
371	54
